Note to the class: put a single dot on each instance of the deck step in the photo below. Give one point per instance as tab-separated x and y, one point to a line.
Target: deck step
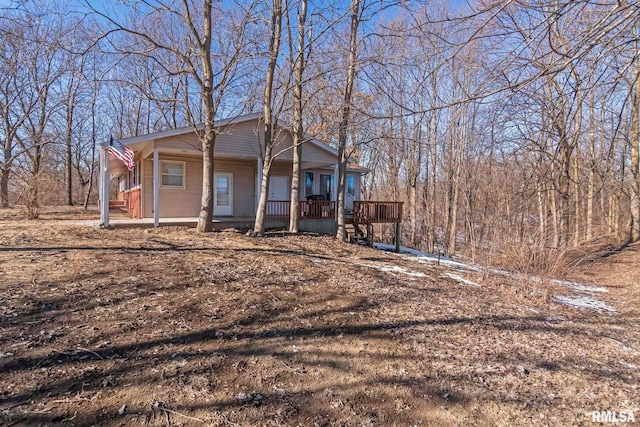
356	235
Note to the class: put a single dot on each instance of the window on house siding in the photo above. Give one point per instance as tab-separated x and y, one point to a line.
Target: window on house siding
308	183
172	174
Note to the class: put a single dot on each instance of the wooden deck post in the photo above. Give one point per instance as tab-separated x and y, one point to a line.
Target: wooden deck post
398	237
156	188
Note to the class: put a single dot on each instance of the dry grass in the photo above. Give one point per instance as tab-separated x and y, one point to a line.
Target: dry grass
228	330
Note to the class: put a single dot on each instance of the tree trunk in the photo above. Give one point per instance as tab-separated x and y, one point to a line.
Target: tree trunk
68	143
205	218
4	187
346	113
592	166
634	235
274	51
298	133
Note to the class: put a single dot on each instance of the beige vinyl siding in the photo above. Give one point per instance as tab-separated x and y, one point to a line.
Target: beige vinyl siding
239	140
310	151
242	141
282	168
313	153
176	203
188	142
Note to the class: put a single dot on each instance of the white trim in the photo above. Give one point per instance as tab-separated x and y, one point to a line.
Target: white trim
142	188
229	175
258	181
184	175
336	177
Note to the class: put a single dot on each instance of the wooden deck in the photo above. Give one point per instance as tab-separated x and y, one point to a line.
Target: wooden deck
366	213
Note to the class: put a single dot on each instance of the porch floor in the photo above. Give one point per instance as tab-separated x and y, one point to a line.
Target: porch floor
218	223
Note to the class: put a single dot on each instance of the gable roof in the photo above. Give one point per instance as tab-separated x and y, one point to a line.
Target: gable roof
133	140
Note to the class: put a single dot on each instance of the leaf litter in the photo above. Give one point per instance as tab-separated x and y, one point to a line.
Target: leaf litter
134	327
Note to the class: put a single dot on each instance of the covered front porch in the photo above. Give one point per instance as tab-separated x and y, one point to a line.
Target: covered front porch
316	216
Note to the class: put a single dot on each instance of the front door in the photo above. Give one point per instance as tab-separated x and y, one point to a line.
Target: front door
325	186
223	194
278	190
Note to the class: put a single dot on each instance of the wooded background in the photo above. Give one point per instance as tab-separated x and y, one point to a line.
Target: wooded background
505	127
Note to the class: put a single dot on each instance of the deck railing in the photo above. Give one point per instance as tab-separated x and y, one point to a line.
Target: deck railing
377	212
317	209
278	210
363	212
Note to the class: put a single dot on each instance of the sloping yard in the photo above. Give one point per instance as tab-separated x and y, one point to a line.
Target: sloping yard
167	327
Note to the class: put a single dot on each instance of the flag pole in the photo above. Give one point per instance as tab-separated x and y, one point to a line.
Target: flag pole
104	184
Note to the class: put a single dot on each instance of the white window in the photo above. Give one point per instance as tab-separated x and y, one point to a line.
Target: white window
172	174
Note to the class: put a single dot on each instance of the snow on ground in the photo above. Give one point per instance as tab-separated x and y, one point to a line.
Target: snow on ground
579	287
461	280
584	299
393	269
397	269
425	257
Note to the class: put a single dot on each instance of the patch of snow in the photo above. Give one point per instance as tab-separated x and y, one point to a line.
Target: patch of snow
425	257
584	301
395	269
628	365
579	287
622	345
398	269
461	280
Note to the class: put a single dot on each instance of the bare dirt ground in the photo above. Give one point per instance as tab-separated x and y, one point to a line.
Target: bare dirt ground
133	327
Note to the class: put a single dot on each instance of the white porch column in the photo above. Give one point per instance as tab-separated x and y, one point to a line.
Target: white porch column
334	182
156	188
104	186
259	181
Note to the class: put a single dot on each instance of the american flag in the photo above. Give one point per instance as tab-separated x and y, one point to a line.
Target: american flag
122	152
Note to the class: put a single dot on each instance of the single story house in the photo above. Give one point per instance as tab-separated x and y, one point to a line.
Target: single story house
175	158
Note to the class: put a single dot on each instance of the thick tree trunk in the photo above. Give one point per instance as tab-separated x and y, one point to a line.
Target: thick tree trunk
205	218
4	187
274	51
298	133
258	226
346	117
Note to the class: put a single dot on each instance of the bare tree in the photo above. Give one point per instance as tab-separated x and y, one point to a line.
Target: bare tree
269	119
298	132
343	156
634	137
184	41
